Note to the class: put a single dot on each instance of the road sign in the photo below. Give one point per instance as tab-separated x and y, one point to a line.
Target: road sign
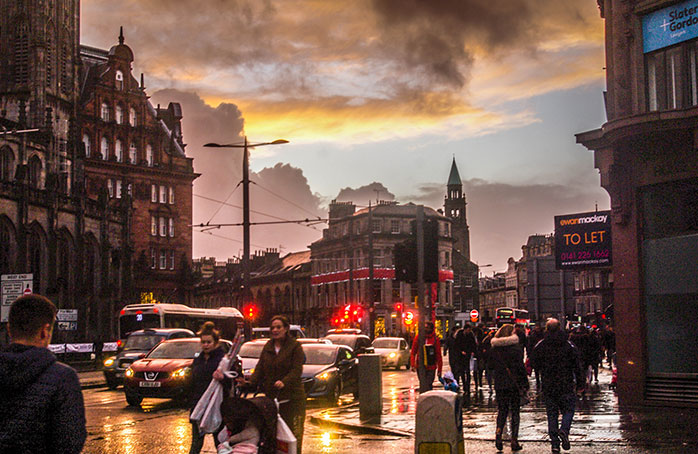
67	315
474	316
13	286
67	326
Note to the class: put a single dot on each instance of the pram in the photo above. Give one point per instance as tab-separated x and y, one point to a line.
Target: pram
248	422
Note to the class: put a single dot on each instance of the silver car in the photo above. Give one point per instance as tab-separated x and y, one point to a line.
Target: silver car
393	350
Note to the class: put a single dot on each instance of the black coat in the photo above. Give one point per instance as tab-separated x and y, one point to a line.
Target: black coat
287	366
455	357
507	353
466	343
202	370
559	364
41	405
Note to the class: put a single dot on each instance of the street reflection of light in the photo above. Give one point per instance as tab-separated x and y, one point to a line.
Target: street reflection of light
326	438
182	431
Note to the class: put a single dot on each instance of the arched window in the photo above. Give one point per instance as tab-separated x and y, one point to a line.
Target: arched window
7	164
149	154
50	54
132	153
104	148
105	111
119	115
21	54
119	150
132	116
35	167
86	143
119	80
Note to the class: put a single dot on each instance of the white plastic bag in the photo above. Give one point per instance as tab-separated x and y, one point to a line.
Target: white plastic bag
473	364
285	440
207	412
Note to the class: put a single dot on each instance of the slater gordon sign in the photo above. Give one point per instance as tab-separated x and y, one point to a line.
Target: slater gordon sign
583	240
669	26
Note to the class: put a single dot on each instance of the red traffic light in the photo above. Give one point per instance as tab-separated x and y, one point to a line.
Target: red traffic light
250	311
398	307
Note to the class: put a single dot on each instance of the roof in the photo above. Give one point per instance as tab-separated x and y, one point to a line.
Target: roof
454	176
393	209
292	261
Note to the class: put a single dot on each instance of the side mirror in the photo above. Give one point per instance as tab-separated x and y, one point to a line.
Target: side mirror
141	356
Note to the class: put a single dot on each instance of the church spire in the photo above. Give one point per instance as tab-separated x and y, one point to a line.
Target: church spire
454	176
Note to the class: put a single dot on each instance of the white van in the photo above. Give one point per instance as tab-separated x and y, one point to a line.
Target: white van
263	332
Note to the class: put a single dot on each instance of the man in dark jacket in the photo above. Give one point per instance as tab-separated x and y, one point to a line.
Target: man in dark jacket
561	373
467	344
42	408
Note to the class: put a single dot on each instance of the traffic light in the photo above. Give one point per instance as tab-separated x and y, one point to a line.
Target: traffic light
398	307
409	318
250	311
405	260
431	250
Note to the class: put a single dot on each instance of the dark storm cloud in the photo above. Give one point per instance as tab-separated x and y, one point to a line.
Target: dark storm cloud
362	195
501	216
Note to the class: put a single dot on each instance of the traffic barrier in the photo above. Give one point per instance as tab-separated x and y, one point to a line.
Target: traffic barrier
370	386
439	424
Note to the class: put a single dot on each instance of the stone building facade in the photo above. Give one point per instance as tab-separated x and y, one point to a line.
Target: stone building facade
646	155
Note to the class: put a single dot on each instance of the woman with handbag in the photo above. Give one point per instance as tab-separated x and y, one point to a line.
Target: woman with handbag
510	382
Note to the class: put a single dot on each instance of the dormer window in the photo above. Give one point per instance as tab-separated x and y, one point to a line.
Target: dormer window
132	116
119	80
105	111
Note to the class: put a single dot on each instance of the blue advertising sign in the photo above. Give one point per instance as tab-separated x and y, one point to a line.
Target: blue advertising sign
669	26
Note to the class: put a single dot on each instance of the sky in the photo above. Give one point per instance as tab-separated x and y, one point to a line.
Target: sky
376	98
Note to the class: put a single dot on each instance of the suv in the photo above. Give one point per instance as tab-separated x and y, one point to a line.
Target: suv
263	332
359	343
138	344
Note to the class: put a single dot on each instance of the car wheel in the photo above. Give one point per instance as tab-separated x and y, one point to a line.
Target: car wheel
132	398
335	394
112	383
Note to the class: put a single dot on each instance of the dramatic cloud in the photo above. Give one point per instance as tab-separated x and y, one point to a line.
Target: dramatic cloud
362	195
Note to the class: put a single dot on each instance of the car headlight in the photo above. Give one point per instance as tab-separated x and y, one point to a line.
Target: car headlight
392	355
323	376
182	372
109	361
129	372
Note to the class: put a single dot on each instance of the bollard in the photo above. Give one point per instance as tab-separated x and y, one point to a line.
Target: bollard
439	425
370	386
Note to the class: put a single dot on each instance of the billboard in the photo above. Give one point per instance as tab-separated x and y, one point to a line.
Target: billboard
669	26
583	240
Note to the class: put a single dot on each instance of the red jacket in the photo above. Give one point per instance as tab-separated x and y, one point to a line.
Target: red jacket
416	353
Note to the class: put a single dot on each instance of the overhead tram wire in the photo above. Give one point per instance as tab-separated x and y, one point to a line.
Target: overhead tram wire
226	238
224	202
282	198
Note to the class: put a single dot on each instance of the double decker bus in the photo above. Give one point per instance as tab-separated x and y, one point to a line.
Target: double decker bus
512	316
160	315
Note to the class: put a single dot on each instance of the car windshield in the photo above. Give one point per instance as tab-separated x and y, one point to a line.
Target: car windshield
251	349
386	343
342	339
176	350
319	355
142	342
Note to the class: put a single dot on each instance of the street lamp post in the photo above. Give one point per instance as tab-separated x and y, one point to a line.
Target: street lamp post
245	205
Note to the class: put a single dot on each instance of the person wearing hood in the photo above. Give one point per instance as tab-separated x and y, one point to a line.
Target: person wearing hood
425	357
561	372
506	361
42	407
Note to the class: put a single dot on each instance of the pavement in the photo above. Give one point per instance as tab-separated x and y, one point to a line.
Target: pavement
600	424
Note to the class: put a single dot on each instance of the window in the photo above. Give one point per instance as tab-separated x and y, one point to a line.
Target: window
377	257
447	229
154	193
21	54
105	112
35	168
119	115
447	259
7	164
149	155
86	144
119	151
395	226
104	148
672	79
172	259
110	188
132	153
171	194
119	80
153	226
163	227
130	189
376	226
132	116
163	194
118	189
153	258
163	259
171	227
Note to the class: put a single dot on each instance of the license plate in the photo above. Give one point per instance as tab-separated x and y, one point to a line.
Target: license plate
149	384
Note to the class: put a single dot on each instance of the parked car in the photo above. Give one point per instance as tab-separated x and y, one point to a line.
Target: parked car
138	343
359	343
249	354
165	372
330	371
343	331
313	340
263	332
393	350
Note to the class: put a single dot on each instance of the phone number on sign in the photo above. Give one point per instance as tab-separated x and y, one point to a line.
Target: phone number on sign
586	255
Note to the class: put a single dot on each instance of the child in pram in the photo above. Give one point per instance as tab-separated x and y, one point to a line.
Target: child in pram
250	426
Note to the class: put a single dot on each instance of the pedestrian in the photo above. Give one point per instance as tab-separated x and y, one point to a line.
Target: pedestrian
561	373
609	341
485	348
42	407
536	335
479	334
454	357
202	372
510	380
278	375
425	357
467	345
